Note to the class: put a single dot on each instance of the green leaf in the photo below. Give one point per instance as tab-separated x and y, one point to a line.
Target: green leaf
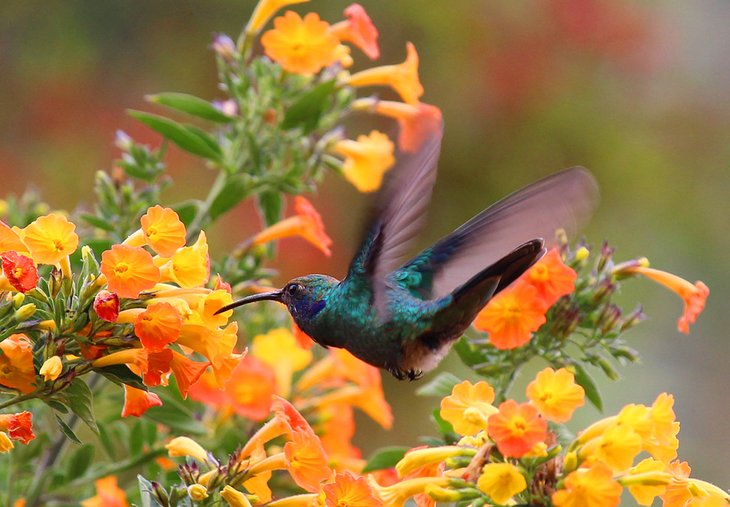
57	406
97	222
106	442
469	354
440	386
444	426
234	191
583	379
385	457
136	439
187	210
120	374
147	493
306	111
80	401
190	104
271	205
79	462
188	138
66	429
175	415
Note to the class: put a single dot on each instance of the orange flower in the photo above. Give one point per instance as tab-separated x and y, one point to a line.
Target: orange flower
186	371
403	78
158	366
106	305
694	296
306	224
589	487
136	357
469	407
163	230
512	316
20	271
416	122
189	266
366	160
108	494
19	426
129	270
616	447
359	30
213	343
16	363
516	428
10	239
307	461
50	238
551	277
158	326
301	46
263	12
555	394
279	350
348	490
335	431
137	401
51	368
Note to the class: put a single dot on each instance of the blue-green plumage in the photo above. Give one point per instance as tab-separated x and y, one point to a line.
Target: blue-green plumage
404	317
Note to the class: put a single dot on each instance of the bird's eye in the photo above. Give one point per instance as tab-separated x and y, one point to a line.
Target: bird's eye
294	289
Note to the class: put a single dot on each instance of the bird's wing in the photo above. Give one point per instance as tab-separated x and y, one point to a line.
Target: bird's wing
564	200
398	216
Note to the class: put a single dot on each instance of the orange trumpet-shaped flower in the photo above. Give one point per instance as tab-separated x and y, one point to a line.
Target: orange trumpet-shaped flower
555	394
589	487
280	351
108	494
138	401
50	238
516	428
16	363
415	122
693	295
302	46
19	426
551	277
163	231
359	30
129	270
351	491
158	326
512	316
186	371
19	271
403	78
306	224
190	266
469	407
307	461
366	160
264	10
10	239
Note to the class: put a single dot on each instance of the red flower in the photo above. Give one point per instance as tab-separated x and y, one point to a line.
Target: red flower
516	428
106	305
19	426
20	271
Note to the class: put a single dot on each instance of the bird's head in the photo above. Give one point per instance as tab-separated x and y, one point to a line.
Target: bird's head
304	296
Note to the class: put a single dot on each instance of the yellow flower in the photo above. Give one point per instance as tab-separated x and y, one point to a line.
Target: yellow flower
264	10
234	497
501	481
301	46
197	492
647	480
469	407
51	368
279	349
185	446
366	160
589	487
616	447
396	494
555	394
163	230
6	445
50	238
190	266
403	78
417	458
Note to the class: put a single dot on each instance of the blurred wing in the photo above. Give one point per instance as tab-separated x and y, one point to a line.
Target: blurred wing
564	200
399	215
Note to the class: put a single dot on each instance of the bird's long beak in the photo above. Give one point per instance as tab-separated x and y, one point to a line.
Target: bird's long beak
264	296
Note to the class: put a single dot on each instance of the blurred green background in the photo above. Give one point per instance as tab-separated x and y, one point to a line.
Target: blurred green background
639	92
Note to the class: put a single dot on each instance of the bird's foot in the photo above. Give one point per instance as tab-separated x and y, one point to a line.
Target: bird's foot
407	374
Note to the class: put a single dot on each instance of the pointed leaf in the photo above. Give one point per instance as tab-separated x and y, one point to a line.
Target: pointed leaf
583	379
306	111
79	462
186	137
120	374
190	104
271	205
386	457
66	429
106	442
80	401
97	222
136	438
440	386
234	191
469	354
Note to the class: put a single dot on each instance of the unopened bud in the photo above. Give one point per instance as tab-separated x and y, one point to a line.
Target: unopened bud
197	492
570	462
18	299
24	312
234	497
582	254
608	368
633	318
51	368
224	47
440	494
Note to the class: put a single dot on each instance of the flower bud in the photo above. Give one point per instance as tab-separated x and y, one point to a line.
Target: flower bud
18	300
234	497
52	368
106	305
440	494
197	492
582	254
24	312
224	47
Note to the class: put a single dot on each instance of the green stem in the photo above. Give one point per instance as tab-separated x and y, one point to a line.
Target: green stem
201	216
18	399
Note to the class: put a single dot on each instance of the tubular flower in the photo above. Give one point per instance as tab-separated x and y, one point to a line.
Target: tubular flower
403	78
185	446
644	481
302	46
215	344
138	401
50	238
10	239
694	296
136	357
335	431
186	371
307	224
20	271
616	447
416	123
306	460
417	458
163	230
555	394
129	270
197	492
516	428
106	305
501	481
359	30
18	426
512	316
551	277
190	266
279	350
158	326
589	487
234	498
396	494
348	490
51	368
6	445
366	160
158	366
263	12
469	407
16	363
108	494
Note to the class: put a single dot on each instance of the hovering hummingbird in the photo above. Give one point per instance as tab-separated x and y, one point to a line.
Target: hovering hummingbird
404	317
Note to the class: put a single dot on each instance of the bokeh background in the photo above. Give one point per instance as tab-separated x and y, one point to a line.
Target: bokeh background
637	91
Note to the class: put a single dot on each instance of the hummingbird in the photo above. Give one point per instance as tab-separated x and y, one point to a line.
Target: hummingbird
404	316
